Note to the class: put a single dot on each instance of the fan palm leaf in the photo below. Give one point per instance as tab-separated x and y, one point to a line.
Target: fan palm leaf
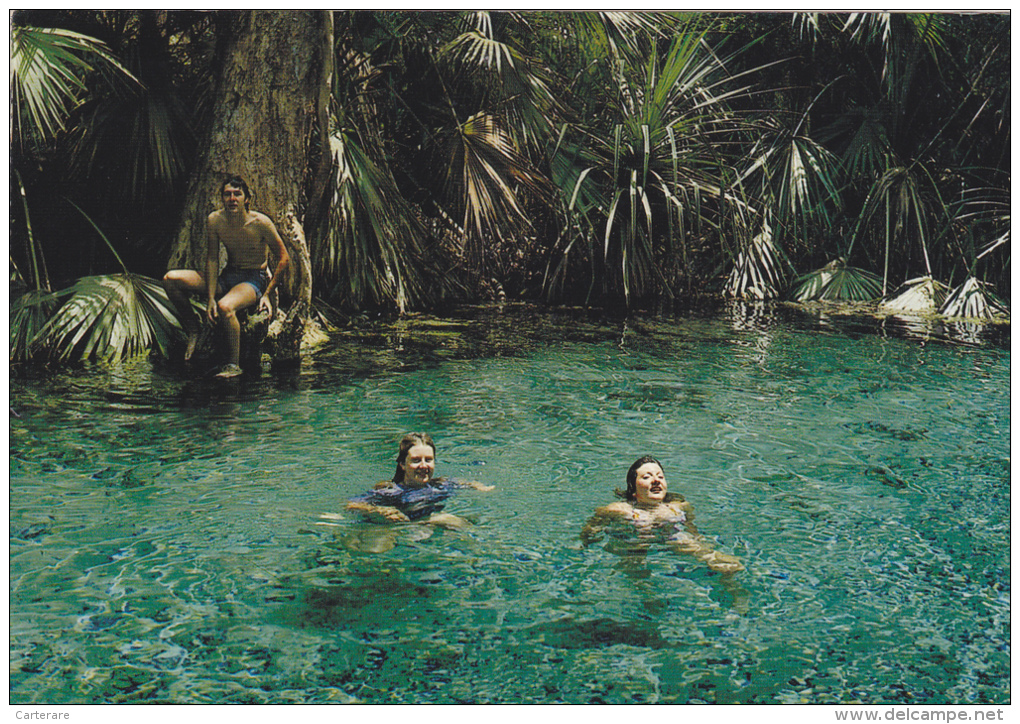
28	316
837	281
923	294
108	318
373	238
48	66
485	173
796	175
145	133
758	270
851	284
973	300
616	33
894	33
515	83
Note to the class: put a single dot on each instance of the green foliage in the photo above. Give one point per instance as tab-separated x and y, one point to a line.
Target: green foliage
373	237
837	282
605	156
973	300
653	167
102	318
47	70
28	317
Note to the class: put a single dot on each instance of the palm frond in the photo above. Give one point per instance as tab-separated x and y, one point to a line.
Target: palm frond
894	32
29	315
797	176
862	135
923	294
516	84
485	174
758	271
110	317
851	284
898	201
615	33
143	133
48	66
477	48
837	281
373	237
973	300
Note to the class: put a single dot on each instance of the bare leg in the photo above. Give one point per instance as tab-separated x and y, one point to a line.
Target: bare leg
179	285
238	298
703	551
370	539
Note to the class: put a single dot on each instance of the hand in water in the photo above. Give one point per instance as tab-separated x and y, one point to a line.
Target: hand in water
392	515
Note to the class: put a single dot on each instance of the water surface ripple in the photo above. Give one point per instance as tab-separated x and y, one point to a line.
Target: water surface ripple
167	539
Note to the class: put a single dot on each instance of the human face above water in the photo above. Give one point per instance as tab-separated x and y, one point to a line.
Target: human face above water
233	198
419	465
650	485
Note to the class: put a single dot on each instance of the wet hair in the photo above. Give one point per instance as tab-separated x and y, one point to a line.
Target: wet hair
631	492
406	443
238	183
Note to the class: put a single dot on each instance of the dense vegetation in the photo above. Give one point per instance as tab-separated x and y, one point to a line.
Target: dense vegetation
580	158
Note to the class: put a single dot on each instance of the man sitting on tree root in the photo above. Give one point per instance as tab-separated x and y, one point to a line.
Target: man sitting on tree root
248	237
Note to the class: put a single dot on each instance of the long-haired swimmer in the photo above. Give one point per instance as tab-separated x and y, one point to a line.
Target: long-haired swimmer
415	494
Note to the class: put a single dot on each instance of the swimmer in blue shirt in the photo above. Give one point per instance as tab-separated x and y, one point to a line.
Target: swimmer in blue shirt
652	510
414	494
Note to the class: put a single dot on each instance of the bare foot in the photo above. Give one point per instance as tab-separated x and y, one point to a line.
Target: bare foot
723	563
231	370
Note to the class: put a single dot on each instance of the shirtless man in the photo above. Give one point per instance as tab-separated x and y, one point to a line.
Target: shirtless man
248	237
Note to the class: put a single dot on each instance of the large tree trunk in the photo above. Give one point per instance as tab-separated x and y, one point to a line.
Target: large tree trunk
269	125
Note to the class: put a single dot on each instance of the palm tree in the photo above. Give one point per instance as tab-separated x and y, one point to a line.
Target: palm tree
107	317
660	171
142	135
898	127
102	317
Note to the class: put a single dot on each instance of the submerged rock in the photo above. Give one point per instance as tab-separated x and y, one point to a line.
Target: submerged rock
568	633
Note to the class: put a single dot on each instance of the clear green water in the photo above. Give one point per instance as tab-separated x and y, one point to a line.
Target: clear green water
166	541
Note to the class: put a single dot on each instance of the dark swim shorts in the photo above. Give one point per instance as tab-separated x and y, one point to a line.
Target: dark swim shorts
231	277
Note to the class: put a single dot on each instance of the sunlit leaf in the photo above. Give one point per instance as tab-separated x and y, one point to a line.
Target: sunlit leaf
973	300
758	271
923	294
837	281
48	66
109	318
